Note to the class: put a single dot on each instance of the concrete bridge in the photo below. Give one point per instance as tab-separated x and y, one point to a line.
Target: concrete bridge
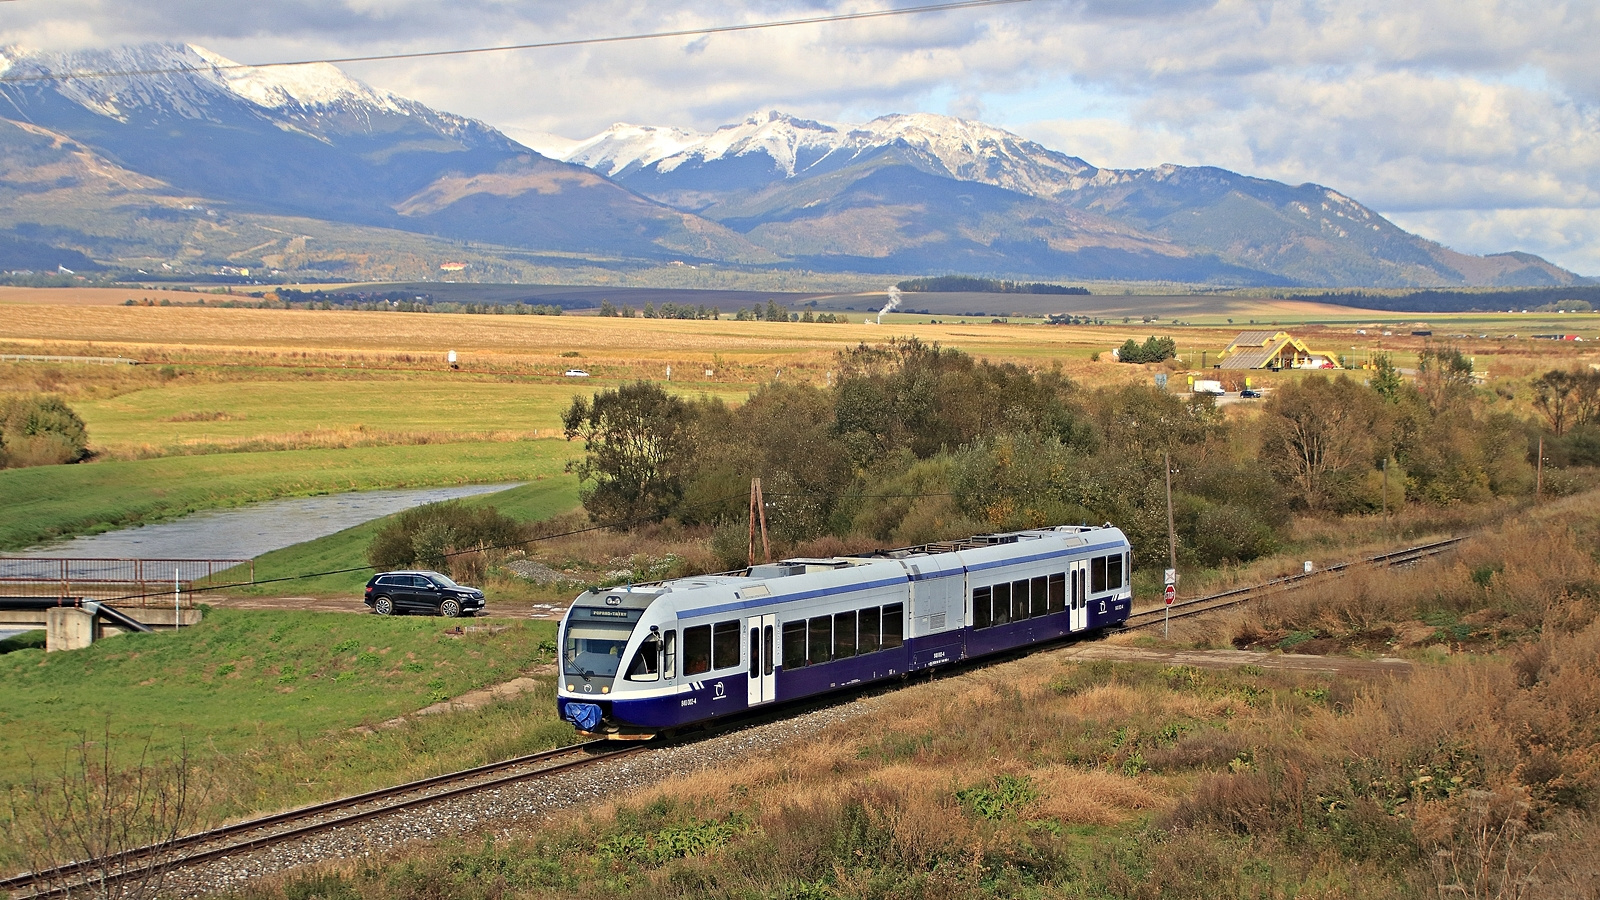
72	623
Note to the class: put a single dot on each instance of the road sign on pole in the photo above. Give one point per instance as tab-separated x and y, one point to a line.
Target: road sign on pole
1171	594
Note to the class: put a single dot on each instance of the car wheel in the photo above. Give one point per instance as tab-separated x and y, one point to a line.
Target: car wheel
383	606
450	608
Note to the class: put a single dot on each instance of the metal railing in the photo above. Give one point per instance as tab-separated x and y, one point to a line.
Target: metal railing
79	577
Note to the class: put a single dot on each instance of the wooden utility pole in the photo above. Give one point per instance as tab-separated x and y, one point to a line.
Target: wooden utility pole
1538	468
758	512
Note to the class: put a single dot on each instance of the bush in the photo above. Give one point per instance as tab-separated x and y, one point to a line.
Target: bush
40	430
442	536
1154	349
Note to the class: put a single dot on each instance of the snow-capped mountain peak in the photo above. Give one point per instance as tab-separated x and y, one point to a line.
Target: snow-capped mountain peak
967	150
185	79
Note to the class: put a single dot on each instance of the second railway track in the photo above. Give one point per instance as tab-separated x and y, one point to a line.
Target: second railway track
278	828
1241	595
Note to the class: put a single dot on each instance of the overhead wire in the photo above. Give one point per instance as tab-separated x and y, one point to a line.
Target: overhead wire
537	45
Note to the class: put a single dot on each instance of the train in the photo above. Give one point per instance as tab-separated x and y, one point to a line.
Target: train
644	659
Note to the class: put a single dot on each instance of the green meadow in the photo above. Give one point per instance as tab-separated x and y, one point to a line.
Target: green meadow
55	501
268	701
192	417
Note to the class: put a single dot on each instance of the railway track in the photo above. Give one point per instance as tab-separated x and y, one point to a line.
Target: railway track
266	831
1239	596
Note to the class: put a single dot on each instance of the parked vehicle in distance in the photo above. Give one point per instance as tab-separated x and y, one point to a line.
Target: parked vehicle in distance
397	593
576	373
1209	386
1249	394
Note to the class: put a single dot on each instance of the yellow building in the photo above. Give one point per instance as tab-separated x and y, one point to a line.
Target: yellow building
1273	350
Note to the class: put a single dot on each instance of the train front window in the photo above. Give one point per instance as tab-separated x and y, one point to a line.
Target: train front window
594	649
646	665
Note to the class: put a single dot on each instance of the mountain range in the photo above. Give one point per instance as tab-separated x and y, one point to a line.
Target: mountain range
187	160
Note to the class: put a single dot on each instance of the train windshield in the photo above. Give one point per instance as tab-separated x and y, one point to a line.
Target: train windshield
594	649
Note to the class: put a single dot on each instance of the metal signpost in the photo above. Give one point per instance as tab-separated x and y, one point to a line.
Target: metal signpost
1169	594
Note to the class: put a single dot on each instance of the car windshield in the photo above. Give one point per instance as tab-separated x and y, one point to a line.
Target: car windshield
442	580
595	648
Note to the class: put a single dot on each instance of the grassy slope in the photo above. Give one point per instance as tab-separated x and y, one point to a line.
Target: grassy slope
49	501
276	694
348	548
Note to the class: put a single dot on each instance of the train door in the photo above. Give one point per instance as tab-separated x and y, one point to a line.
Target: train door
763	681
1079	602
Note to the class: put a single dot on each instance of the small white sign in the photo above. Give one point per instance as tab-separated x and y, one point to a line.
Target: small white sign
1308	567
451	357
1172	576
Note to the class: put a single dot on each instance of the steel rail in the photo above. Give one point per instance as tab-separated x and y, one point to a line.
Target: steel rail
1240	595
126	859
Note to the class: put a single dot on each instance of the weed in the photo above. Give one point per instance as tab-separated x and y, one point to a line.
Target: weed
1004	798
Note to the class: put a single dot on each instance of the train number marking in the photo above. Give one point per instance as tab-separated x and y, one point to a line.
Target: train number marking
688	701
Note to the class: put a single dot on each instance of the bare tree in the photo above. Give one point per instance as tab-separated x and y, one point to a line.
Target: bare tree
95	829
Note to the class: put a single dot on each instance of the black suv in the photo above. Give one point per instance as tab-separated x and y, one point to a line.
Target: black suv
389	593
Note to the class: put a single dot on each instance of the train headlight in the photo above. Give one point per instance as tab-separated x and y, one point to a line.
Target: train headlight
569	687
605	689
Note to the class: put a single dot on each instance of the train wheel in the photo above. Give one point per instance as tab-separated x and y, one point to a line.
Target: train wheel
383	606
450	609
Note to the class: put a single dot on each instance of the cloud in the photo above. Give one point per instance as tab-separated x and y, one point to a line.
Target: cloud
1474	121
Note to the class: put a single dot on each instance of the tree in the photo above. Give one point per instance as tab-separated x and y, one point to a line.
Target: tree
40	430
1386	378
1444	374
1154	349
637	443
1555	393
1320	436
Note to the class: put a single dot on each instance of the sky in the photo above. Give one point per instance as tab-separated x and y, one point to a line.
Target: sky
1472	122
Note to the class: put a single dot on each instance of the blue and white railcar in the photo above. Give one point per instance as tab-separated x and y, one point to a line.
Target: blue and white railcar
646	658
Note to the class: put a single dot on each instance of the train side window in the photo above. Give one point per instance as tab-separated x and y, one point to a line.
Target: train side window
1114	572
766	649
869	627
669	655
1097	575
697	650
1041	597
794	644
725	645
1002	603
819	640
894	625
755	651
646	664
1058	592
1019	600
982	610
844	635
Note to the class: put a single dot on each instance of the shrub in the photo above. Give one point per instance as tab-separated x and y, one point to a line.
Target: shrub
1154	349
40	430
442	536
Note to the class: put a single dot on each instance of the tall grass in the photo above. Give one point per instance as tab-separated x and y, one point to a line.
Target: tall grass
1476	776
